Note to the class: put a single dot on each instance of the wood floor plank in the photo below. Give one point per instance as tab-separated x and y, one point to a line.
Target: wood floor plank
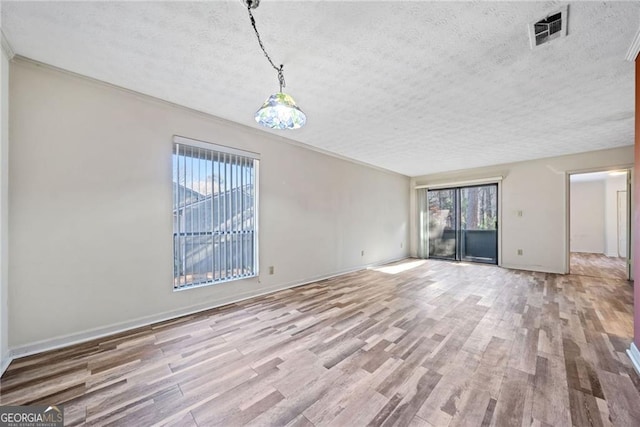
358	409
414	394
551	396
474	405
414	343
622	397
443	402
598	265
584	409
510	404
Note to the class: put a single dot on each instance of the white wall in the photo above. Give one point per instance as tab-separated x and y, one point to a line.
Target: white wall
594	213
4	208
539	189
587	213
90	209
613	185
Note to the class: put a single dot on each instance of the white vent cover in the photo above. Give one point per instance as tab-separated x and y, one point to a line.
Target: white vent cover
552	27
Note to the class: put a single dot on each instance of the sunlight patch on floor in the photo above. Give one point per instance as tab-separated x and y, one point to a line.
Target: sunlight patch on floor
400	268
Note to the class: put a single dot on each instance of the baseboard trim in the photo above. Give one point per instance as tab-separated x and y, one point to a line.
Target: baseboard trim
97	333
6	361
534	268
634	355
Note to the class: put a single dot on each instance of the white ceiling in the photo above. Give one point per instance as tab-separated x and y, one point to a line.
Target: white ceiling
413	87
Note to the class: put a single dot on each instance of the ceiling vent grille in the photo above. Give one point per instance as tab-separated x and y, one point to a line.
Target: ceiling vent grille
552	27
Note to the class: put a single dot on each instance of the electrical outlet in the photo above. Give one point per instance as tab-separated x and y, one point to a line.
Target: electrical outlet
271	269
519	213
519	251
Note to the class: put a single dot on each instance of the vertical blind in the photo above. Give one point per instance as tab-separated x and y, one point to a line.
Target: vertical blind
214	213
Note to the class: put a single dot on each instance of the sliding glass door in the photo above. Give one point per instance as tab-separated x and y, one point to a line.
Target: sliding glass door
462	223
479	223
442	224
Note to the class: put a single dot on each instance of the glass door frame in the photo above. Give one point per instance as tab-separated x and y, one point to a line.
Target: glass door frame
457	187
468	258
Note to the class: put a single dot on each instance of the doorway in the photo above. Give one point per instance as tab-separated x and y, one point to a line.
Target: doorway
599	224
463	223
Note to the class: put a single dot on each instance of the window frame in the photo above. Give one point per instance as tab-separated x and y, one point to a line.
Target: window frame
224	150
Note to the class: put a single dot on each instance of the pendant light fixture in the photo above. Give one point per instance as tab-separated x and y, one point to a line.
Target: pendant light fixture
279	111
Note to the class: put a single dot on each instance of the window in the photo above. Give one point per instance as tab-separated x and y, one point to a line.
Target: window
215	214
459	223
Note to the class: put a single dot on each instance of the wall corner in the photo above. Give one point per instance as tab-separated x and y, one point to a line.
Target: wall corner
636	208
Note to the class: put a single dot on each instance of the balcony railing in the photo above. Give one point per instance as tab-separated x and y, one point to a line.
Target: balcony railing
212	256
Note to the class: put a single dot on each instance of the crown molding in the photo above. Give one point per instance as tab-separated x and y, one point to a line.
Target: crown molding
6	46
634	49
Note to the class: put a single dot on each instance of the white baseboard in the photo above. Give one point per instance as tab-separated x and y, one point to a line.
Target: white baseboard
634	355
91	334
534	268
6	360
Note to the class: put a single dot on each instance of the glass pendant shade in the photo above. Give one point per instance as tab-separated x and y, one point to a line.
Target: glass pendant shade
280	112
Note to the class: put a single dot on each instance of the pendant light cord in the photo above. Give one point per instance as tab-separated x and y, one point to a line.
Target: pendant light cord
278	69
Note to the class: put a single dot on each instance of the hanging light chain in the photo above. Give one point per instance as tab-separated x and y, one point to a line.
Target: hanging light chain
280	69
281	77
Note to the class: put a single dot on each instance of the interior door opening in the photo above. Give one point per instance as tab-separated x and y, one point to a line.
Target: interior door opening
599	224
462	223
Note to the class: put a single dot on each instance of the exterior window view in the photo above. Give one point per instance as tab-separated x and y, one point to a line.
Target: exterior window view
214	216
463	223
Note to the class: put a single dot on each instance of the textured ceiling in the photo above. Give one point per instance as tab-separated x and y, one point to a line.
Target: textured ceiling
413	87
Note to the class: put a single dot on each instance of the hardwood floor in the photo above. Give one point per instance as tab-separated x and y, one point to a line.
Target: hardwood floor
598	265
417	343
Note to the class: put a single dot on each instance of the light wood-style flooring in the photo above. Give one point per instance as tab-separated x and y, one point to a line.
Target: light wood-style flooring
416	343
598	265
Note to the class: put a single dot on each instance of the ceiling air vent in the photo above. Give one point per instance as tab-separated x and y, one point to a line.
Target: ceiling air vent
550	28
